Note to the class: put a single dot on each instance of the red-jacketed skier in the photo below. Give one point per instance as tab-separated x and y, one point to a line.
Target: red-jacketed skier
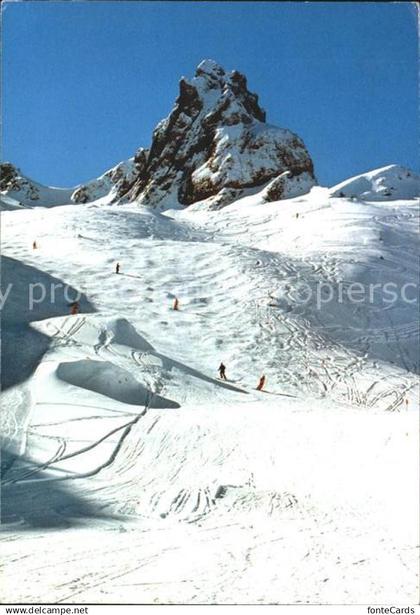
261	383
74	308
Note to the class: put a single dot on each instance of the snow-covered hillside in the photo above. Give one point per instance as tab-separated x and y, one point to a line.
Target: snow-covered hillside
17	191
136	475
387	183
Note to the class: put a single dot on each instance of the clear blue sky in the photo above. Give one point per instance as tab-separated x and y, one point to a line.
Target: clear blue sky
86	82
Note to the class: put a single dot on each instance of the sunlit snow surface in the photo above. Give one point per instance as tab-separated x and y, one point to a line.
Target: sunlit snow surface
132	474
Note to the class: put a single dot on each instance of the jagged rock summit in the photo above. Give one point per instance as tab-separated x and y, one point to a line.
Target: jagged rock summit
213	147
215	143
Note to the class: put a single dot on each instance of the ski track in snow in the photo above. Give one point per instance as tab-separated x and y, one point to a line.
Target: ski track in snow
141	477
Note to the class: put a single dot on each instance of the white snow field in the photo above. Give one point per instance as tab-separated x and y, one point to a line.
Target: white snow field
132	474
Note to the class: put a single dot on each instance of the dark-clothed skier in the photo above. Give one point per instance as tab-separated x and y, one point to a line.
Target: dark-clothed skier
117	268
222	371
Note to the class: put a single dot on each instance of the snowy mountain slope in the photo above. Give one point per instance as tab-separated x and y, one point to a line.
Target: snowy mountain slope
387	183
189	488
363	246
17	190
9	204
113	184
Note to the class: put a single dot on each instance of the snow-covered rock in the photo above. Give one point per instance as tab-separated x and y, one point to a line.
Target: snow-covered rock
285	186
18	191
387	183
214	148
114	183
215	142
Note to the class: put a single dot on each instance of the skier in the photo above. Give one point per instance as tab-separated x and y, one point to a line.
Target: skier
34	245
176	304
74	308
117	268
222	371
297	215
261	383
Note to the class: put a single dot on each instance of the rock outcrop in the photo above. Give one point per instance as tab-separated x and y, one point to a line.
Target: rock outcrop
216	143
115	183
12	181
17	190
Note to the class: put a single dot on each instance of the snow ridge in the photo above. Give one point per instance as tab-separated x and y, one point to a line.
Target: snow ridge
384	184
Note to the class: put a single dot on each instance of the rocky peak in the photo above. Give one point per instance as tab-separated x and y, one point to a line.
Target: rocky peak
210	68
215	143
213	89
